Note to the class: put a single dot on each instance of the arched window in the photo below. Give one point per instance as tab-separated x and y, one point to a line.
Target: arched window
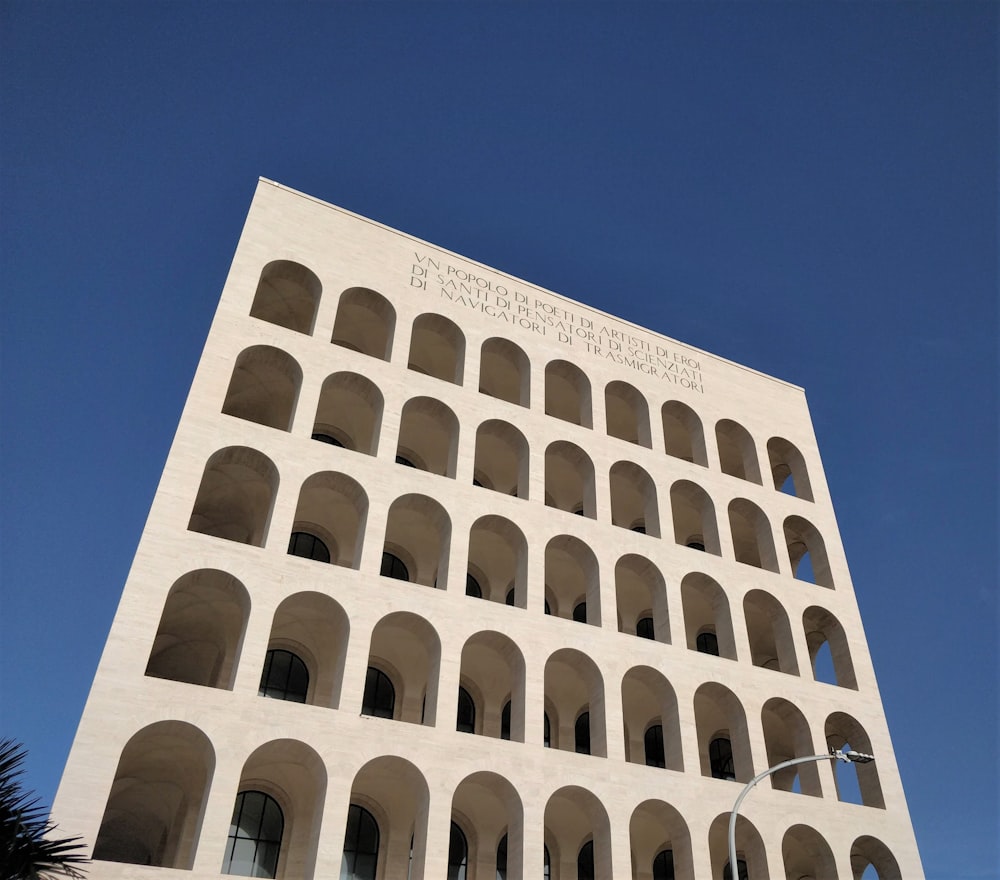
707	643
466	722
505	721
394	567
285	677
547	863
663	865
502	858
254	836
653	741
458	854
510	597
379	699
472	587
580	612
582	733
361	842
585	862
741	871
644	628
547	732
308	547
327	438
720	758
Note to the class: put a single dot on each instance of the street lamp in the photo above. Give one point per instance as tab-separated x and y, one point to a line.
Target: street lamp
848	757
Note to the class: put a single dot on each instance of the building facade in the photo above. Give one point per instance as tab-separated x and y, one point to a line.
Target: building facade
448	576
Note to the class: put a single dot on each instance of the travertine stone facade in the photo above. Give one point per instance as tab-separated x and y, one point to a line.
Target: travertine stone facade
614	560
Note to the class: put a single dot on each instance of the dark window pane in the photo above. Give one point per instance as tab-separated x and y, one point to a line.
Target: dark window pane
585	862
707	643
547	732
254	836
644	628
393	567
472	587
285	677
466	712
582	734
502	858
308	547
640	528
510	597
361	842
505	721
654	747
379	699
741	870
404	461
663	865
720	758
458	854
580	612
326	438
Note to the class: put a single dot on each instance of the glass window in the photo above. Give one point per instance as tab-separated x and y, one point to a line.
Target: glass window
505	721
361	841
582	733
580	612
472	587
547	732
405	462
394	567
285	677
502	858
548	610
308	547
326	438
741	870
585	862
510	597
254	836
707	643
696	545
458	854
379	699
720	758
547	869
663	865
654	746
640	528
644	628
466	712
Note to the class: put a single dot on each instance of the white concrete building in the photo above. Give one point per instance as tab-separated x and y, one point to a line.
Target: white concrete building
613	560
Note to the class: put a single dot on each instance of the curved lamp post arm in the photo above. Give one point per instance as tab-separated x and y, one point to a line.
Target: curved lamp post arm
849	757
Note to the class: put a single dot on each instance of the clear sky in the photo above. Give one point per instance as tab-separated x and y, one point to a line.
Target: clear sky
809	189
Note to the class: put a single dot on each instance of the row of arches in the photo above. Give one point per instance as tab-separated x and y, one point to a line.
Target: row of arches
205	615
239	485
281	808
288	295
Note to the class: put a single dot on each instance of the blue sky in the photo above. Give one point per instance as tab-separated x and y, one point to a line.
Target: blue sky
808	189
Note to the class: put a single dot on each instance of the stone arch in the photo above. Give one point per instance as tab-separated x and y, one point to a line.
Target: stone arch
349	413
706	610
235	497
787	736
627	413
719	714
868	850
569	479
395	792
574	817
501	461
157	800
366	323
437	348
803	540
573	685
200	634
493	669
824	633
641	592
572	576
769	633
287	295
333	508
408	649
654	827
498	559
737	454
505	371
264	387
695	524
315	628
807	854
753	542
418	531
488	807
683	433
648	699
788	468
749	847
844	732
428	436
633	499
567	393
